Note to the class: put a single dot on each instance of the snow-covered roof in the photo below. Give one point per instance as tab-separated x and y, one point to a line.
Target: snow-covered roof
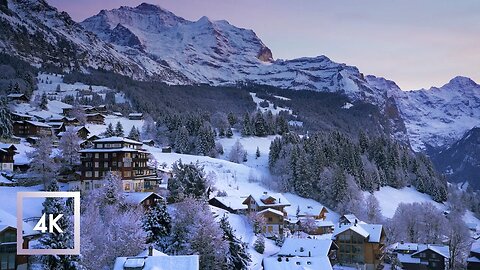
407	258
351	218
15	95
7	146
324	223
154	253
43	114
270	210
110	150
38	124
135	114
374	230
354	227
405	246
305	247
297	263
95	114
190	262
473	260
117	139
234	202
7	219
279	199
137	197
443	251
21	115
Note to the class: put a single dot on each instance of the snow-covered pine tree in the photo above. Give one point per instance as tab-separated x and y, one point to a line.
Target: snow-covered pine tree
246	128
229	132
55	239
43	102
237	153
182	144
69	147
112	189
260	127
188	181
41	163
148	128
373	212
157	224
205	143
5	120
134	134
237	256
119	130
110	132
257	153
259	244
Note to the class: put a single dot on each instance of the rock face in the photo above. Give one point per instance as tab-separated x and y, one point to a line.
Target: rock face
461	160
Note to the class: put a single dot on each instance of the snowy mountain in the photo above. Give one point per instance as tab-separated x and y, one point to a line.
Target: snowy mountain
41	35
216	52
461	160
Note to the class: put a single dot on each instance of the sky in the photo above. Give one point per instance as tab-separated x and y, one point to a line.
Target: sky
416	43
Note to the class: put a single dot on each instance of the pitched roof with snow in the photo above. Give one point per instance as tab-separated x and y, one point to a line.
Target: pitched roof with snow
273	211
138	197
117	139
371	231
154	253
111	150
351	218
190	262
7	146
9	220
305	247
38	124
441	250
297	263
278	199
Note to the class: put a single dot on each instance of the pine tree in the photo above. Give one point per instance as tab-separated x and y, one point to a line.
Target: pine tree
110	132
232	119
237	256
134	134
43	102
259	244
229	132
181	141
373	211
112	189
157	224
119	130
260	125
55	239
246	130
205	142
5	120
339	186
188	181
257	153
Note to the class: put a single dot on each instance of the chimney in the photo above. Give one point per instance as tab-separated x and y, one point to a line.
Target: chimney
265	193
150	251
309	254
401	242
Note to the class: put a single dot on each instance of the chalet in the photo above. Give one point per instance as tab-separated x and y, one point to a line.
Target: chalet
101	108
122	156
119	114
31	128
166	149
135	116
271	207
348	219
154	259
360	244
57	127
20	98
145	199
314	216
88	142
20	116
149	142
303	253
164	175
7	151
315	226
232	204
71	121
473	261
45	116
82	132
67	110
414	256
95	118
9	260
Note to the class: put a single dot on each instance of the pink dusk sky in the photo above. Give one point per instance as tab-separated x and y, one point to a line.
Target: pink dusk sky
417	44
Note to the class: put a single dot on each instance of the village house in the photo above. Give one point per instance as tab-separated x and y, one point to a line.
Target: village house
15	116
153	259
348	219
360	244
122	156
303	253
7	151
313	218
135	116
82	132
57	127
31	128
271	207
95	118
19	98
9	259
414	256
88	142
144	199
473	261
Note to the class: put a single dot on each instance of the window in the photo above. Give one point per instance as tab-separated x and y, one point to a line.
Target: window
126	187
105	164
105	155
270	219
100	145
114	154
96	165
88	174
127	174
96	174
96	155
